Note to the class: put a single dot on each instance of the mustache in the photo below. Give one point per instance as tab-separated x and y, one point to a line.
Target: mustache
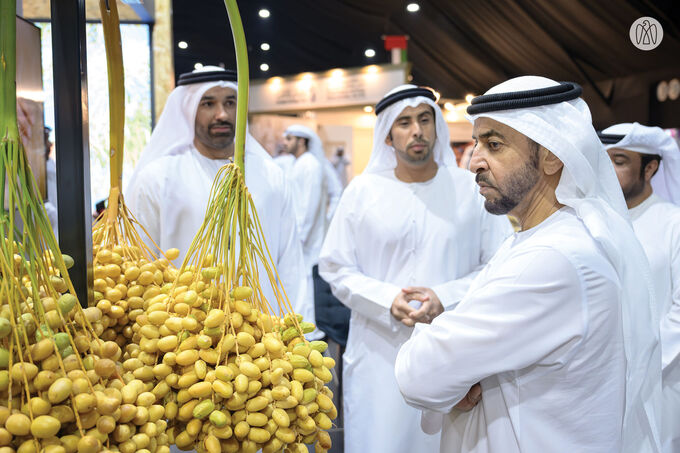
479	178
418	143
221	124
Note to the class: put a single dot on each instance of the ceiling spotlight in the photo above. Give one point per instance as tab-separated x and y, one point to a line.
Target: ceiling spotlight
412	7
264	67
451	117
198	65
448	106
370	53
264	46
368	109
264	13
469	98
182	45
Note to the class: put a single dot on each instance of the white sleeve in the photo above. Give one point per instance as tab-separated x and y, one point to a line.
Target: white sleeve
290	263
143	201
670	322
452	292
338	266
494	231
53	217
308	183
493	330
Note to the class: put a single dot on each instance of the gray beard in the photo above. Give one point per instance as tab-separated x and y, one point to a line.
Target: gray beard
518	187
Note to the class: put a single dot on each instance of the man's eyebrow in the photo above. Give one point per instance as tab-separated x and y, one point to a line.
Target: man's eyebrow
491	133
212	98
620	154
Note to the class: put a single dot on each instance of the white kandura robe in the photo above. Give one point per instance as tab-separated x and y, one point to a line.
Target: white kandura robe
172	197
285	161
340	164
333	185
51	205
310	198
657	225
541	330
387	235
334	188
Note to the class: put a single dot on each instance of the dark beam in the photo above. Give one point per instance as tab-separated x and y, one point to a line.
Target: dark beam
72	141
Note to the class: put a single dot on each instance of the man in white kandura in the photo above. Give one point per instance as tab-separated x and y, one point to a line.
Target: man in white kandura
316	193
411	218
340	163
169	189
284	159
316	188
559	331
647	163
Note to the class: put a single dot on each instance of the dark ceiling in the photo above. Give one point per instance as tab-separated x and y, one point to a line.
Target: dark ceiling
456	46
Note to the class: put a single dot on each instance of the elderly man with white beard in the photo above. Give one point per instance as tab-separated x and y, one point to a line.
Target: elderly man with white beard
647	163
559	329
407	237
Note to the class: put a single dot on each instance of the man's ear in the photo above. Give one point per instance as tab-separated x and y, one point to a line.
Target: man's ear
551	164
388	139
650	169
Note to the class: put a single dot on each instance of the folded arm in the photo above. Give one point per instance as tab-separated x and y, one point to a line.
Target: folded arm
529	308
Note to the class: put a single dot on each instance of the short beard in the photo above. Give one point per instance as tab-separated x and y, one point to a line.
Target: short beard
417	160
518	186
221	142
635	189
216	141
292	149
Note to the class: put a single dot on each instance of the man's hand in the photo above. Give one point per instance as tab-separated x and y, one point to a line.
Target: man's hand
401	309
430	307
470	400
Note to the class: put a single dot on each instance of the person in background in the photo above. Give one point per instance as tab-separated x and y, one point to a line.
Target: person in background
283	159
459	149
466	156
340	163
51	203
407	238
310	188
317	193
647	164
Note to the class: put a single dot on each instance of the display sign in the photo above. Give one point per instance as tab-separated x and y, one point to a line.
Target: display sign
335	88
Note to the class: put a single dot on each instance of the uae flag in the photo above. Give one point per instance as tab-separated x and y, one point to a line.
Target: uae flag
397	45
